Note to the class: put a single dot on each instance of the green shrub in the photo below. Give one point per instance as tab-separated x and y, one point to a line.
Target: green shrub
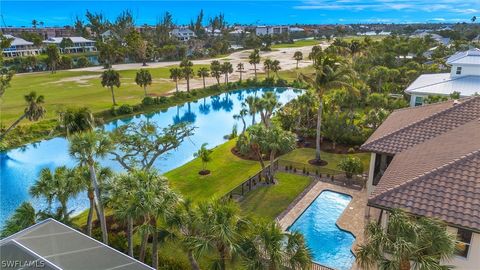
125	109
282	82
148	101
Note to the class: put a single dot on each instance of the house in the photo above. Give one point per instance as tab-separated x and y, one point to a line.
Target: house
271	30
19	47
182	34
442	40
464	78
213	32
426	161
53	245
80	44
296	29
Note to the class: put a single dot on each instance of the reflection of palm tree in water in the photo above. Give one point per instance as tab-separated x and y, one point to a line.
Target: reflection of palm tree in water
227	103
189	116
176	118
204	108
216	104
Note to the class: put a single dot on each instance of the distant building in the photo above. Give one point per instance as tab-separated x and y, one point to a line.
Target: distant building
464	77
239	32
271	30
374	33
45	32
182	34
52	245
296	29
80	44
20	47
442	40
213	33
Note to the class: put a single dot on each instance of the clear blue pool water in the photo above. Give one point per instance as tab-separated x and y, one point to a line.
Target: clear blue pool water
212	117
329	244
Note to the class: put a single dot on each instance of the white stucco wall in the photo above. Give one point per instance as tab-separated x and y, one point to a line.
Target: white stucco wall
466	70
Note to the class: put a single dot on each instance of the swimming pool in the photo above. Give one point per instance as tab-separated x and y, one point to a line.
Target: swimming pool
330	245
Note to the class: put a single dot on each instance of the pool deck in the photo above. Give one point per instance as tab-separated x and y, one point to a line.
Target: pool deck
352	218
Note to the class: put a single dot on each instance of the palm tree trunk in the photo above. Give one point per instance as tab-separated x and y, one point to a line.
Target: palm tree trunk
203	77
193	262
272	171
113	96
319	129
12	126
188	84
98	202
130	235
297	64
143	247
223	258
63	205
176	86
255	70
90	211
155	244
244	125
240	76
404	264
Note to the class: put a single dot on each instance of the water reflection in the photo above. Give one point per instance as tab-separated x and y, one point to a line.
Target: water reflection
212	117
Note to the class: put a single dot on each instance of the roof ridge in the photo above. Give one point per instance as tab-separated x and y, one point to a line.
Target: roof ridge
467	100
437	83
423	175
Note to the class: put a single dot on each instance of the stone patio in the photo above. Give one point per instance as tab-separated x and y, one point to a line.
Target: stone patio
352	219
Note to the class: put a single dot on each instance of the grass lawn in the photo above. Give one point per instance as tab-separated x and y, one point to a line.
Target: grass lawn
296	44
303	155
78	88
227	171
269	201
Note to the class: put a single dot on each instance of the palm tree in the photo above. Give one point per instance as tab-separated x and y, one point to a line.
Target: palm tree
298	56
187	71
267	66
275	67
216	70
278	141
330	73
241	116
23	217
252	103
406	240
266	106
186	222
143	79
111	78
227	68
34	23
254	59
240	69
86	148
122	200
175	75
221	226
155	201
53	56
205	155
268	247
57	186
33	112
74	120
316	51
202	73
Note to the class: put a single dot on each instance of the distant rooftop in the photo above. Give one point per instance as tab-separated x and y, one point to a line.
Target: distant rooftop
470	57
53	245
58	40
18	41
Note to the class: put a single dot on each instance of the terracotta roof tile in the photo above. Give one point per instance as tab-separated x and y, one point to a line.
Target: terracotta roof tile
408	127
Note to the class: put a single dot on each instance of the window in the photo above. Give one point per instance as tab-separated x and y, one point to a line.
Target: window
464	239
418	101
459	70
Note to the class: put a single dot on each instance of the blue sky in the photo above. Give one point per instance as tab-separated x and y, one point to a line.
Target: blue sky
63	12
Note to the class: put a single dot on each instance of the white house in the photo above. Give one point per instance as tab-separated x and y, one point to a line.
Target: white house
182	34
80	44
464	78
442	40
19	47
425	160
271	30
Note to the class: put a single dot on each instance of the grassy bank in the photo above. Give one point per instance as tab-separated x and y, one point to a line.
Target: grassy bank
296	44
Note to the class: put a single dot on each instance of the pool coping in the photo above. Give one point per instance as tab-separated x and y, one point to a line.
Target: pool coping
351	220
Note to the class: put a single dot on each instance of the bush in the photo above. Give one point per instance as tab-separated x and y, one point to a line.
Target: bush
350	165
83	62
113	111
148	101
125	109
137	107
282	82
269	81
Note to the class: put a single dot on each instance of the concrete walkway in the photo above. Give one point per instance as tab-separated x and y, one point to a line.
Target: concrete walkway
352	219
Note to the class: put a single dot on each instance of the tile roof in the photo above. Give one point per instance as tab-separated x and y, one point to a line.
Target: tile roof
406	128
